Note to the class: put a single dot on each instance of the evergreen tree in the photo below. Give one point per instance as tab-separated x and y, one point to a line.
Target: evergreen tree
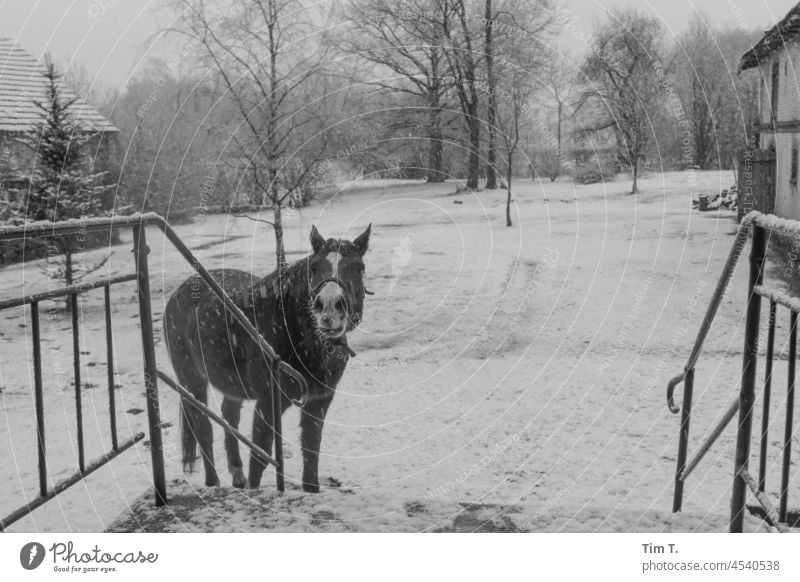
59	184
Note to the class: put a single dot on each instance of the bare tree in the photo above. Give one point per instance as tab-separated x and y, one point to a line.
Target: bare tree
460	39
623	83
267	56
719	105
558	87
509	118
170	132
402	36
491	106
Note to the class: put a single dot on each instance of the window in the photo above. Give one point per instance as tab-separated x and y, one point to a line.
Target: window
774	93
793	174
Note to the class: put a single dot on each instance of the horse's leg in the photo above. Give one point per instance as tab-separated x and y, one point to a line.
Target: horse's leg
262	436
205	439
312	417
197	428
232	411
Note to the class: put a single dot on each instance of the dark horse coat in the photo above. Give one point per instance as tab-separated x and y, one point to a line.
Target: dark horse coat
303	311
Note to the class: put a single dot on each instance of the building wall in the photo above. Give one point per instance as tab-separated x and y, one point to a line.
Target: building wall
788	85
787	195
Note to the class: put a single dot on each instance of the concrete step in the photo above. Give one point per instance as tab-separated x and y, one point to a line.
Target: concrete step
221	509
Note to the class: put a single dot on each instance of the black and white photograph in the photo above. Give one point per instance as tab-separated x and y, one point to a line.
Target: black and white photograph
399	266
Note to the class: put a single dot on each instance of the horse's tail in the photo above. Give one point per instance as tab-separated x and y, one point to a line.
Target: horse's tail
190	426
177	327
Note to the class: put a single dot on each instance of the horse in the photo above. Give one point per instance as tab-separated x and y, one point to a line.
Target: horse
304	311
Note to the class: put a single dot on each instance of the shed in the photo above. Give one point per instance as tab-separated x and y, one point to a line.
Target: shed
777	128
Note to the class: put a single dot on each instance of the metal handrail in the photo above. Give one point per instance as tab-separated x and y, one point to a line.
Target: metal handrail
138	223
47	228
192	400
761	225
711	312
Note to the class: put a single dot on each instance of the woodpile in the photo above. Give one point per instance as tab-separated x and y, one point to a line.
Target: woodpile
726	200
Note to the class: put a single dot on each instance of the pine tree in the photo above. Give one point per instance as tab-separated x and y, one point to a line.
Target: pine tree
59	184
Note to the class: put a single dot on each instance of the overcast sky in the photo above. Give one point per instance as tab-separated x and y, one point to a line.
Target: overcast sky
110	37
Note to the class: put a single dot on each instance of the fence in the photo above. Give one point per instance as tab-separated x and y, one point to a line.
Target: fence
138	224
760	225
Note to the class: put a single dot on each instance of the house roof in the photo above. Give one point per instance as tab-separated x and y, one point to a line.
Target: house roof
22	82
774	39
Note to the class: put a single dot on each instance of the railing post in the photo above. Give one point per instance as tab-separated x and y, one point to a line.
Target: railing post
141	251
789	428
112	407
39	398
277	423
683	442
76	365
747	391
762	458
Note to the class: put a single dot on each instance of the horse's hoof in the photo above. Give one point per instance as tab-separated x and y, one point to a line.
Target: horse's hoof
212	482
311	487
237	478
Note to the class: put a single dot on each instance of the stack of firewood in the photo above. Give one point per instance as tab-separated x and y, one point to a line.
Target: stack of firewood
726	200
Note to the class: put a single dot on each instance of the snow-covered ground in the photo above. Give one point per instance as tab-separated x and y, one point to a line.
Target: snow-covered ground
521	366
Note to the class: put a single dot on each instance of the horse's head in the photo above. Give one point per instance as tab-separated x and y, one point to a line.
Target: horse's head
336	282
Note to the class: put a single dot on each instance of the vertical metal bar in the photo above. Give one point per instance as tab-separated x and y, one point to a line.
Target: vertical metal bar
112	405
277	429
141	251
76	366
787	438
747	391
683	443
762	459
39	397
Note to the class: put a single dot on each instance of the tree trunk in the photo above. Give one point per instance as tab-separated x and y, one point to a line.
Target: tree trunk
508	187
635	189
473	165
557	165
491	157
280	253
435	145
435	150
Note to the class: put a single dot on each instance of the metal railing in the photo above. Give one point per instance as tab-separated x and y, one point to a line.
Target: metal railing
759	224
138	223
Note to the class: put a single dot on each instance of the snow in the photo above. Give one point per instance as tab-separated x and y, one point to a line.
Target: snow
47	226
778	296
774	223
227	510
518	367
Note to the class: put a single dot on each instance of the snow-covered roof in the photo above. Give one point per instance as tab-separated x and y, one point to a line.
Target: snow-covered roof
22	82
774	39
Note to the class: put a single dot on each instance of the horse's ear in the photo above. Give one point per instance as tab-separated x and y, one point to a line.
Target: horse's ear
317	240
362	242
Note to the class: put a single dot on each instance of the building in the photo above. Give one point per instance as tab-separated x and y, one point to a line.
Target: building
774	163
21	84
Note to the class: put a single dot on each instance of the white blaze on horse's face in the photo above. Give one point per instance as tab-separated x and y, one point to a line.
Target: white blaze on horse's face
329	304
333	259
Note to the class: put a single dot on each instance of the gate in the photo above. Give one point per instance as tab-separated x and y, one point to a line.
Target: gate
756	182
760	225
138	224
